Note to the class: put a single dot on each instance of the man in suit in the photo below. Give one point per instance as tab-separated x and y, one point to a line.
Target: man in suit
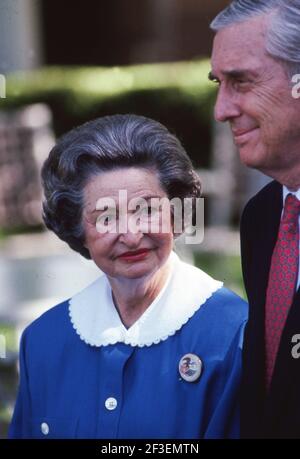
255	61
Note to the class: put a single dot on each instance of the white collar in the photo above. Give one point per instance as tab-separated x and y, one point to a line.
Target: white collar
96	321
286	191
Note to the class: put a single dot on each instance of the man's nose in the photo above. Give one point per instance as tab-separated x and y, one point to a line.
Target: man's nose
226	106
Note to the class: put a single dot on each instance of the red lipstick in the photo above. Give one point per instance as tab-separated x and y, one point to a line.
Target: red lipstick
135	255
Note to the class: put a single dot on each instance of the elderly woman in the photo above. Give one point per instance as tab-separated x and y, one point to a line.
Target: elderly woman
152	348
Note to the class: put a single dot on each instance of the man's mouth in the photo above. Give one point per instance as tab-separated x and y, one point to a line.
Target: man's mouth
243	135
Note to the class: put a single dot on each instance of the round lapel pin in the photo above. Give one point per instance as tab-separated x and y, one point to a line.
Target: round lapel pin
190	367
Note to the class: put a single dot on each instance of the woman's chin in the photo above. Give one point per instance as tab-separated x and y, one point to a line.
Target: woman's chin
136	270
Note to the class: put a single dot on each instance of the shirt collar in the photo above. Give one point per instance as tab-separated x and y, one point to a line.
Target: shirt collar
286	191
96	321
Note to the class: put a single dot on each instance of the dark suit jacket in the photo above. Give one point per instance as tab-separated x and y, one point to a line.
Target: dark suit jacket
276	415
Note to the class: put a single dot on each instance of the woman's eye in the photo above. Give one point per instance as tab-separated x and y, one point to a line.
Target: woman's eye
142	211
148	211
105	220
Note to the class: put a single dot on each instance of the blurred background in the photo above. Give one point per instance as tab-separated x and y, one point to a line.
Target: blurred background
63	63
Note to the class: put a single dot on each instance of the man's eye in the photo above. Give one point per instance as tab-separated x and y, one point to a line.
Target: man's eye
240	83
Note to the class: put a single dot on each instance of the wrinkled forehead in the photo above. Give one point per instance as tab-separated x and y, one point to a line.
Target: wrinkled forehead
243	43
122	185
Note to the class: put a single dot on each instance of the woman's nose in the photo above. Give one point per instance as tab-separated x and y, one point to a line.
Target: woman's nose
131	238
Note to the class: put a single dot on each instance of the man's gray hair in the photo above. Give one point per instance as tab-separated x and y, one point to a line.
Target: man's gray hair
283	35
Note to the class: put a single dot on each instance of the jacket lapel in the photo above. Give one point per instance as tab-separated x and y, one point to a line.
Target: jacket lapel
261	233
265	236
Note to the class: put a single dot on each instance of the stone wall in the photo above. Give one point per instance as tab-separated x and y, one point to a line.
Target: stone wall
25	140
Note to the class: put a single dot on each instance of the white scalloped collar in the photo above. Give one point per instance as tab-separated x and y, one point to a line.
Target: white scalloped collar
97	322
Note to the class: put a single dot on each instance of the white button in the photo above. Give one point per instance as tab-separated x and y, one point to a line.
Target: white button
44	428
111	403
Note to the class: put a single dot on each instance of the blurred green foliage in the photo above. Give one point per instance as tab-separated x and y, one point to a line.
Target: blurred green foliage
9	333
177	94
15	230
8	377
223	267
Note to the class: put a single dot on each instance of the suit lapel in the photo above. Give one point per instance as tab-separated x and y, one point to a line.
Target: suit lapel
261	232
267	226
278	414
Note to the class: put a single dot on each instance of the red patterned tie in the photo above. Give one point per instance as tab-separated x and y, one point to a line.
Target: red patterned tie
282	281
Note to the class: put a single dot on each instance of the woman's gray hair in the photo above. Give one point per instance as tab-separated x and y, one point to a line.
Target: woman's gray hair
105	144
283	35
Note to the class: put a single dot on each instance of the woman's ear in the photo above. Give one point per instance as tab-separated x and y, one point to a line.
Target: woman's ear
85	244
177	235
176	226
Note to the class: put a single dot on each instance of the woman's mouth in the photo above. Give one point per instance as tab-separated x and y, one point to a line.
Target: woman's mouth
135	255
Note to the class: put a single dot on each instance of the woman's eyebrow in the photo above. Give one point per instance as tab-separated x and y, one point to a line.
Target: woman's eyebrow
106	208
137	201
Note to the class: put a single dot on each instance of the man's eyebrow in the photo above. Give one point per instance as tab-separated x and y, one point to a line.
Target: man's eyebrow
106	209
234	73
238	73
